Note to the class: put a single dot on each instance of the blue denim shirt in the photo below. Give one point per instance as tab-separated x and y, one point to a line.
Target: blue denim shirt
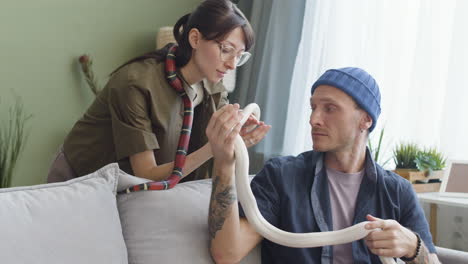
292	194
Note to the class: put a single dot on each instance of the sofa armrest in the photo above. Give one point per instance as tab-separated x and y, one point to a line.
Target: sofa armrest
452	256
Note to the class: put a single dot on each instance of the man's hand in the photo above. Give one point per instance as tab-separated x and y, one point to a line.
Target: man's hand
393	240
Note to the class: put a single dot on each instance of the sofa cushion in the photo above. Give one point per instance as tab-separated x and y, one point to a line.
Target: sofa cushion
69	222
168	226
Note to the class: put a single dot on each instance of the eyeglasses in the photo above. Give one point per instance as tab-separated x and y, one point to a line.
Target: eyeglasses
228	52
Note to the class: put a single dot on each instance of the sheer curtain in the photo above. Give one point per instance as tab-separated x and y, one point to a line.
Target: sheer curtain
266	78
416	52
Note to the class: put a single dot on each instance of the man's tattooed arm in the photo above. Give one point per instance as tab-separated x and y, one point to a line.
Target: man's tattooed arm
222	197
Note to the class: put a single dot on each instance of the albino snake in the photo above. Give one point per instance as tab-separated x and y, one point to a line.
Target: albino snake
270	232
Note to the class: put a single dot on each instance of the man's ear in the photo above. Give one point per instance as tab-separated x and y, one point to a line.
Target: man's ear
194	37
366	121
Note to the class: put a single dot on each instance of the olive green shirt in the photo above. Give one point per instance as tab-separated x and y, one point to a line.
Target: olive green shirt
137	111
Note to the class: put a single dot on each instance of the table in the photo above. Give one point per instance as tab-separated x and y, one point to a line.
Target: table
435	198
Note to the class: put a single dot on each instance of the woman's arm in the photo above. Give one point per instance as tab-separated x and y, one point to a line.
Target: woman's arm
144	164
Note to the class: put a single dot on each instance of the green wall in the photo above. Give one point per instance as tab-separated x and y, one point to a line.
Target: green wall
40	41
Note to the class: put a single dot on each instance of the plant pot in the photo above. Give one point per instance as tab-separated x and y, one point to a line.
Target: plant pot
438	174
426	187
413	175
405	173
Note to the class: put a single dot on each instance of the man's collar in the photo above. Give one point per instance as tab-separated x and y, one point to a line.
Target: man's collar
369	165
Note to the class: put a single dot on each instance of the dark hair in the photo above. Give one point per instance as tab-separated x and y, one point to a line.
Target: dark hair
215	19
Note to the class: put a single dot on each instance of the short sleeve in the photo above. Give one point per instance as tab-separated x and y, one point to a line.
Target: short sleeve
131	123
412	216
265	191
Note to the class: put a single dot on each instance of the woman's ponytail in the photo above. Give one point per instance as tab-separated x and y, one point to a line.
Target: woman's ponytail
180	27
181	32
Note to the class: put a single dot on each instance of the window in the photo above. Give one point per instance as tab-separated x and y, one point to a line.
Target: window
416	50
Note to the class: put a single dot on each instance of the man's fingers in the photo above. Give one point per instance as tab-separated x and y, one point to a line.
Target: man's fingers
386	248
379	234
384	252
372	218
380	223
389	244
375	225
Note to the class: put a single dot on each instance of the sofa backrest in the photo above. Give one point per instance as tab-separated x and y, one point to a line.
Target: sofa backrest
168	226
69	222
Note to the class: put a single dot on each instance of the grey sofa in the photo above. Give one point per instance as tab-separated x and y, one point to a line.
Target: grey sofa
452	256
83	221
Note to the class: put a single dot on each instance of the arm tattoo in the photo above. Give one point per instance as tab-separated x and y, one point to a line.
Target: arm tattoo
222	196
424	256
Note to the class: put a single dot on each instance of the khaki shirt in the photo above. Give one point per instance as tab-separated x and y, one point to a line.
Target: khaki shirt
138	110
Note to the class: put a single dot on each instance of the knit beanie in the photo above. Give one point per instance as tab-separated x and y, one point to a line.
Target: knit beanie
358	84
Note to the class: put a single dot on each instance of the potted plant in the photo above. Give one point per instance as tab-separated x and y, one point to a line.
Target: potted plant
404	155
423	168
431	162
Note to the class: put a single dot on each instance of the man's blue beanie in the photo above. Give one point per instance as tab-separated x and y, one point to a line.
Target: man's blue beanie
358	84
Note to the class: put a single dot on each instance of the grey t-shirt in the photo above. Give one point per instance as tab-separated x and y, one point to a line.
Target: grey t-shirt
343	188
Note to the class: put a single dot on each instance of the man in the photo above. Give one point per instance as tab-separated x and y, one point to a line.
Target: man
332	187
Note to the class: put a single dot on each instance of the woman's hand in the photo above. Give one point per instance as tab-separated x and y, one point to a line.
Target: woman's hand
253	131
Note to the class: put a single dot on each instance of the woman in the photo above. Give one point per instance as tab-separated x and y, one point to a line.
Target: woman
138	119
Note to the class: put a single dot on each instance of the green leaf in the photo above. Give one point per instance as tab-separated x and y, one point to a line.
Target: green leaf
404	155
12	139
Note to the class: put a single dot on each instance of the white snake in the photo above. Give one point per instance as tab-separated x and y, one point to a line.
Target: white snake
270	232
